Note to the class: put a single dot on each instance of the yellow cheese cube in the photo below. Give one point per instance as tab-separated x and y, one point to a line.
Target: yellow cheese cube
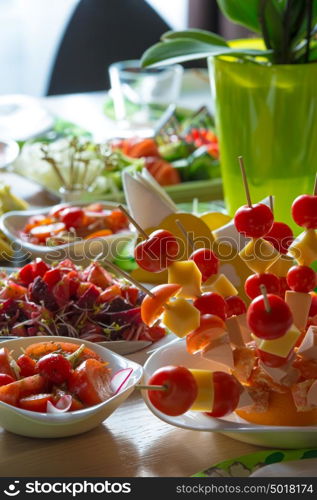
205	397
258	255
304	248
221	285
181	317
281	265
186	274
281	346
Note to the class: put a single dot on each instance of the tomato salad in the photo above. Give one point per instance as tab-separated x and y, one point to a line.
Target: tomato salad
66	300
54	377
64	223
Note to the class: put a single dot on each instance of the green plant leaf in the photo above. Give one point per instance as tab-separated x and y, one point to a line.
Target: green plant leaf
196	34
244	12
300	30
272	22
182	49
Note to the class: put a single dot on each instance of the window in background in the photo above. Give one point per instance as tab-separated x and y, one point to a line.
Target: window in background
30	34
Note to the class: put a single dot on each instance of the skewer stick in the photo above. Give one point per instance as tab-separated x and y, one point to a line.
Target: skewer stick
185	233
265	298
315	187
151	387
129	278
245	181
134	222
271	203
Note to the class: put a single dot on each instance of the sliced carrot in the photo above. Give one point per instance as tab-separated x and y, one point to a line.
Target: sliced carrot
99	234
42	232
91	382
12	393
146	147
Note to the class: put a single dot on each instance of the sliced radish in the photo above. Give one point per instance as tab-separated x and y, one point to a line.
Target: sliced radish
119	380
62	405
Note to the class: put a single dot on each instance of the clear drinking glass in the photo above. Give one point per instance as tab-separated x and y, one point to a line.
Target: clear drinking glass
141	95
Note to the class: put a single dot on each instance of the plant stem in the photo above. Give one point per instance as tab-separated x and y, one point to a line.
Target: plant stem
265	33
309	7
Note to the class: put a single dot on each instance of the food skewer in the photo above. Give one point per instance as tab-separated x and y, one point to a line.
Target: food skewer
129	278
245	181
185	233
133	222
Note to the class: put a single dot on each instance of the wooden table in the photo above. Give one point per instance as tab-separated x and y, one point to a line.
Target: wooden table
132	442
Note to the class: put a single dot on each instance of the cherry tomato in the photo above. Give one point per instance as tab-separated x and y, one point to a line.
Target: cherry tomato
91	382
313	307
283	286
44	232
157	252
227	392
280	236
255	221
72	217
253	282
211	303
206	261
181	390
301	279
235	306
272	359
55	368
6	379
210	328
304	211
36	402
27	365
152	307
269	325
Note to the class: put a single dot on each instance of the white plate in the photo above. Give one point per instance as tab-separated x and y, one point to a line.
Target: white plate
9	151
81	251
124	347
232	426
43	425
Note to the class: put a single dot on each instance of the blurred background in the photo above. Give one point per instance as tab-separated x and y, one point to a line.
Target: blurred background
66	46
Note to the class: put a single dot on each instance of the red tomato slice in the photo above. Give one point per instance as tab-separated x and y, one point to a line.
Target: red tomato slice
12	393
152	307
5	362
37	351
211	327
36	402
13	291
91	382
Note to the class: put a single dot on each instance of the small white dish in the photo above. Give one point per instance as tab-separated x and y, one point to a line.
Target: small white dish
124	347
9	151
43	425
81	251
232	426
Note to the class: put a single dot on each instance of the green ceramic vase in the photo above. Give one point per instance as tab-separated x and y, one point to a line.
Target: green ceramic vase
267	114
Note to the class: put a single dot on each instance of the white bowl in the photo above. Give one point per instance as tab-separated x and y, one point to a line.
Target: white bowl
232	426
42	425
81	251
9	151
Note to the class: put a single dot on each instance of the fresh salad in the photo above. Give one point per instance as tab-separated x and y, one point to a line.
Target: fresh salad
171	158
67	300
66	223
54	377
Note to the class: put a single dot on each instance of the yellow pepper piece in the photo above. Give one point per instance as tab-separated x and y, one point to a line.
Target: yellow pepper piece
258	255
221	285
281	265
205	397
186	274
181	317
304	248
214	220
281	346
